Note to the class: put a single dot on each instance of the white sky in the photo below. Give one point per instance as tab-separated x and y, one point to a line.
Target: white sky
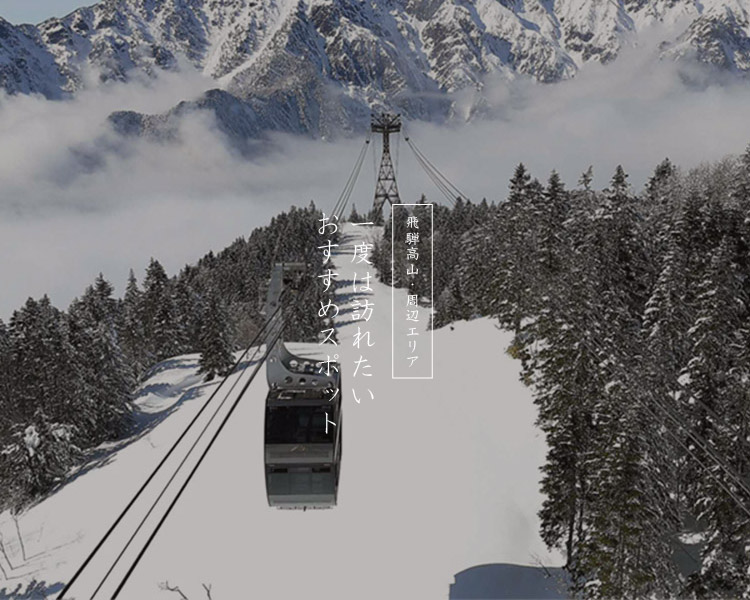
36	11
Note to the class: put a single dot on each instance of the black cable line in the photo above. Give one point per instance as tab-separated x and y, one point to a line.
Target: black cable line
355	178
182	463
356	172
337	212
442	187
456	192
680	422
700	463
153	474
435	177
194	470
352	180
436	180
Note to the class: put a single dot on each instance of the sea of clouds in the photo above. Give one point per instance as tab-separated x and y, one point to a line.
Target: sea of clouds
76	200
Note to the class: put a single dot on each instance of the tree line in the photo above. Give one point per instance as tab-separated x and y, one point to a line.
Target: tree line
68	377
631	320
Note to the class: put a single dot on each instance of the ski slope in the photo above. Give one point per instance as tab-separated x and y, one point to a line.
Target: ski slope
437	476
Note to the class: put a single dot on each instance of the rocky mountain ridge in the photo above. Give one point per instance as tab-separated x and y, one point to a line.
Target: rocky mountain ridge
320	66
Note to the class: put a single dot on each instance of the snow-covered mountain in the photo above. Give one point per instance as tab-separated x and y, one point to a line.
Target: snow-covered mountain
26	65
318	65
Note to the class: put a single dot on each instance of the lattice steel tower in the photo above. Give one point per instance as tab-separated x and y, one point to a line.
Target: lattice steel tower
386	188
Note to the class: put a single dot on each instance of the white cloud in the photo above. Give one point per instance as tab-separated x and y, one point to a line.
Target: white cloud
59	226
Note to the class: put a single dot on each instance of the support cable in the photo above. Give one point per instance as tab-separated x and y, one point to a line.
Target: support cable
153	474
352	180
451	192
437	181
194	470
267	324
338	209
355	173
456	193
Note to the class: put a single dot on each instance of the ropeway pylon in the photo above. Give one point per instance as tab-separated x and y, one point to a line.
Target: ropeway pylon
386	188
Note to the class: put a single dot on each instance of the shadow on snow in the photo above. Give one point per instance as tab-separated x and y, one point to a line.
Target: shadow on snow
35	590
144	422
506	581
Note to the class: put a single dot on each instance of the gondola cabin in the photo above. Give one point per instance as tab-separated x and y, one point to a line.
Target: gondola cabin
302	446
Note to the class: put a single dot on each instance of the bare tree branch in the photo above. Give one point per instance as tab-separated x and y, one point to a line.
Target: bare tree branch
176	589
165	586
539	563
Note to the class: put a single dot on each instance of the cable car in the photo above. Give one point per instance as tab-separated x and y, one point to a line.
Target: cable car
302	446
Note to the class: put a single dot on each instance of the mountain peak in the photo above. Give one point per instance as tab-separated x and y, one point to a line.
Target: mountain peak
327	62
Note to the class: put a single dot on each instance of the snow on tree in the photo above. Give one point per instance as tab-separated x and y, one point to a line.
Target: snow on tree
625	306
216	351
105	378
131	328
160	318
584	181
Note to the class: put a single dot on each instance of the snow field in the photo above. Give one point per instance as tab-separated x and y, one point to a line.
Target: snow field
437	476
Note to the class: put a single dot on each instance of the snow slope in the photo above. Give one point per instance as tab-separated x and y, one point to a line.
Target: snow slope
437	476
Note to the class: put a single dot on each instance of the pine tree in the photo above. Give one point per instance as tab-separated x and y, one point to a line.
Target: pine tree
584	181
551	214
450	306
565	373
45	402
216	352
715	380
187	305
516	239
618	187
105	380
740	192
6	391
481	264
131	328
41	355
663	174
382	257
8	417
160	317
